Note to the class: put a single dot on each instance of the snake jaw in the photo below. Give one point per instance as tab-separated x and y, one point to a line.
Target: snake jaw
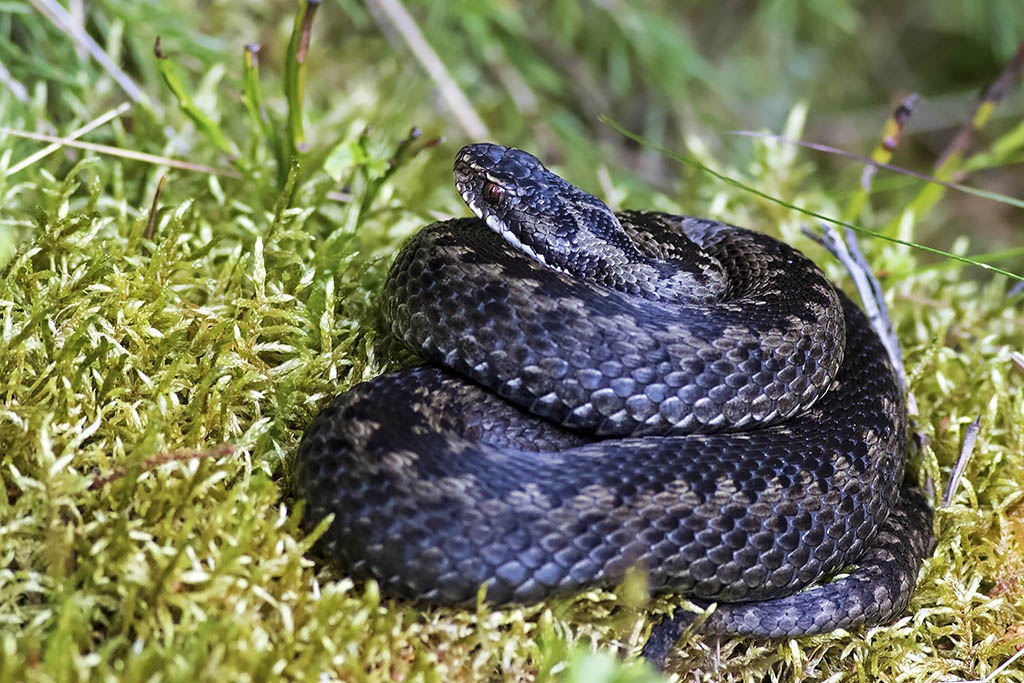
495	222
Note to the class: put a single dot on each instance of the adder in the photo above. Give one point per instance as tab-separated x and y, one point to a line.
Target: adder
608	391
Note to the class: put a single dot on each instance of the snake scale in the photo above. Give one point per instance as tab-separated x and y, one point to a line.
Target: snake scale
619	390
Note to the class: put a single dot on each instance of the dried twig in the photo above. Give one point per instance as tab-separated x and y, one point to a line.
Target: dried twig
1018	359
175	456
151	222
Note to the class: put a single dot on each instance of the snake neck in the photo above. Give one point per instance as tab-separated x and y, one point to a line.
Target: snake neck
569	230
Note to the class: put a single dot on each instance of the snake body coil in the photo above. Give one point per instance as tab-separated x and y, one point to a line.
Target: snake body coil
618	390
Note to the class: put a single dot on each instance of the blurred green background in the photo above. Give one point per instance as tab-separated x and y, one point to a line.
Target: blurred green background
540	75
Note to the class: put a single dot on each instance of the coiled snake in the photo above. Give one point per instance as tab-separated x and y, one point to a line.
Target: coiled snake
617	390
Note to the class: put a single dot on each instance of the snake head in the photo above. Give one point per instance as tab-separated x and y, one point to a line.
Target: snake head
533	209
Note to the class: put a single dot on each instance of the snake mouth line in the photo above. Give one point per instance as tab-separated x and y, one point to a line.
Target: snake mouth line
498	226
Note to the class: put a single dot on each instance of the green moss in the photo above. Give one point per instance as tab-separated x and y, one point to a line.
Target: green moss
118	349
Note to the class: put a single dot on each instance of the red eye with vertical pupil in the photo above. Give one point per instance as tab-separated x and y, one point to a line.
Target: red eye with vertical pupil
493	192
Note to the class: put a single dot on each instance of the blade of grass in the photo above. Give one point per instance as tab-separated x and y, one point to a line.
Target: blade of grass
252	97
882	153
295	75
19	91
999	151
173	78
807	212
1000	255
950	158
985	194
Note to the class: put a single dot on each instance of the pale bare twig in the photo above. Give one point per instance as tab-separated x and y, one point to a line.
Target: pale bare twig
76	9
1018	359
124	153
77	133
995	672
458	103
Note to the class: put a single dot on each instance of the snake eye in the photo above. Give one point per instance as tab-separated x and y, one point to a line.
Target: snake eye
493	192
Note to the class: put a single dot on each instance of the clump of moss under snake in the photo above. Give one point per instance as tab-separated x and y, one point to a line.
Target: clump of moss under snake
619	390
